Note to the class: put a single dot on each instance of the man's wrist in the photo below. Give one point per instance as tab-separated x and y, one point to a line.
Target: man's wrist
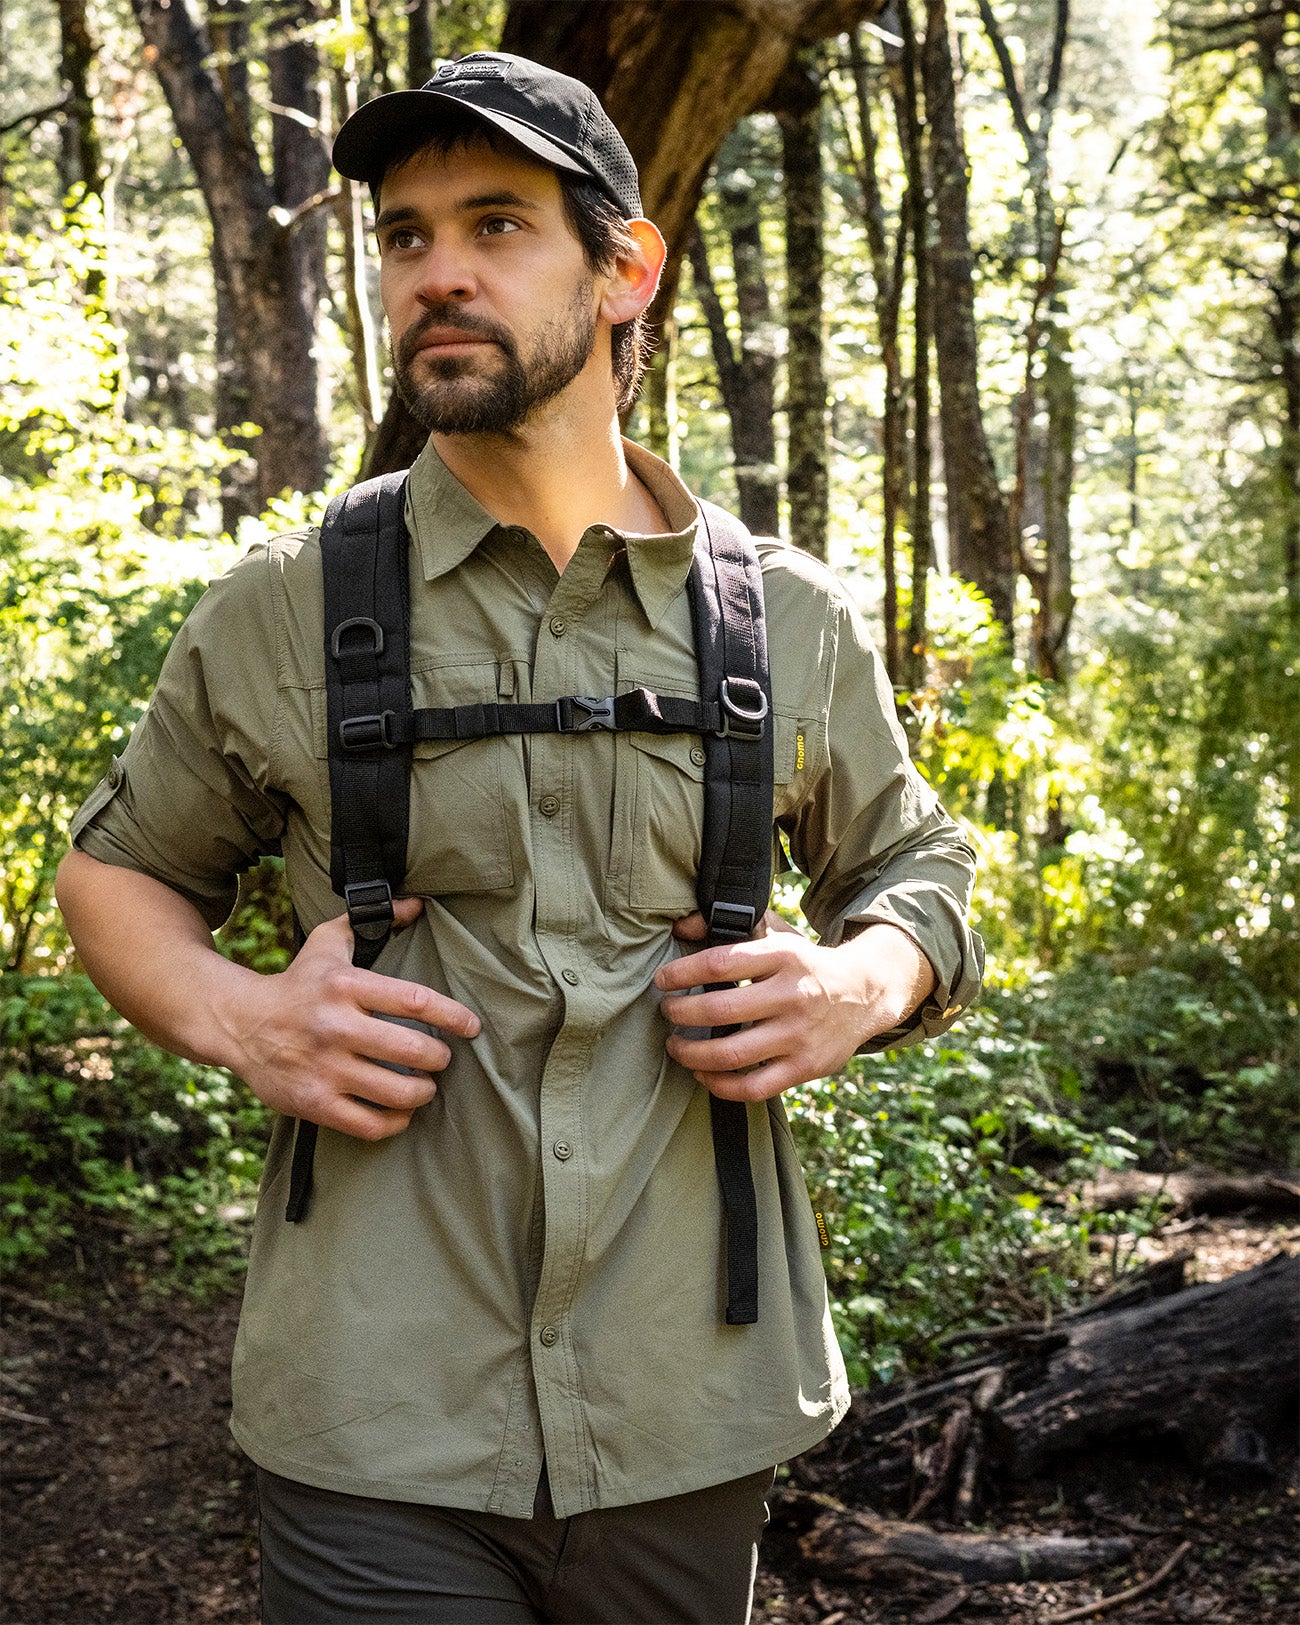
893	967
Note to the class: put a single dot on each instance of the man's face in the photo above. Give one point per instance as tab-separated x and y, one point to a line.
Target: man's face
492	308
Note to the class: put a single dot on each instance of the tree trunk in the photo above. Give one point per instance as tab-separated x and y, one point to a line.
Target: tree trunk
980	547
888	274
82	157
1286	330
300	165
674	76
1060	392
419	43
757	475
744	398
253	255
806	480
918	225
747	379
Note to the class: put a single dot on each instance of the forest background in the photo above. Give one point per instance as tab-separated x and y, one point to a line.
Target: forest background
992	303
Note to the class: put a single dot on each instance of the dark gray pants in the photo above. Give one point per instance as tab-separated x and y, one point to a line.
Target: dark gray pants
332	1559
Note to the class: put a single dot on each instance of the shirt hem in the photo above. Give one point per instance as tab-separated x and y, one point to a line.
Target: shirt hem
657	1489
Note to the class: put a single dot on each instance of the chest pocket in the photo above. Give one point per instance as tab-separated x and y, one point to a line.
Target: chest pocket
659	808
658	820
460	824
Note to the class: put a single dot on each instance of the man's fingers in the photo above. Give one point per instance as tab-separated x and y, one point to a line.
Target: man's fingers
691	928
390	996
724	1006
406	910
364	1121
761	1083
731	1052
336	935
736	962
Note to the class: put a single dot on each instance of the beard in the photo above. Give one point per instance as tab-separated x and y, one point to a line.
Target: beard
456	397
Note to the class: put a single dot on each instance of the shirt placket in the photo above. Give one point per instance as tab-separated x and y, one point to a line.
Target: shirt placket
564	635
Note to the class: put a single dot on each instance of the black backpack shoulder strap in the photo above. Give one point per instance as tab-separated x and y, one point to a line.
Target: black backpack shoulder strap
735	880
363	545
726	594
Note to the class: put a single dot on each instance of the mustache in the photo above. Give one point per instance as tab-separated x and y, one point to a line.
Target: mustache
445	316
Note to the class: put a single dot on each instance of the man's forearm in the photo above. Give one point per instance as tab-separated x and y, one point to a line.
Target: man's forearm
310	1041
150	953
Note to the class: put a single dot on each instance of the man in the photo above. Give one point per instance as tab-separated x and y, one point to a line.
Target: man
487	1377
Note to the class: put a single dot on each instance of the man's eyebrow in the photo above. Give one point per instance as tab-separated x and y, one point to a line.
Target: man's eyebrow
497	200
390	217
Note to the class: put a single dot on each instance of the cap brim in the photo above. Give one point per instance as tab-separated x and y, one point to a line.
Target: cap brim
364	145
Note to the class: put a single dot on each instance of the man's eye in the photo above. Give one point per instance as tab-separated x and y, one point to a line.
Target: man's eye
405	238
497	226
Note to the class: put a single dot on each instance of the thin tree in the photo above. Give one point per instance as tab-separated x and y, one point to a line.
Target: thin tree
980	542
807	478
1045	562
888	274
918	222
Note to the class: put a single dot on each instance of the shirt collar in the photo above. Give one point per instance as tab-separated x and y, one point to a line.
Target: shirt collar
447	524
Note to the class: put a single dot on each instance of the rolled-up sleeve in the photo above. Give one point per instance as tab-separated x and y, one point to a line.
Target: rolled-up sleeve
875	841
188	800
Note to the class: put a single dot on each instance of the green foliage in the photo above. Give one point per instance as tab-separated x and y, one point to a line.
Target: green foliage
96	578
923	1164
111	1144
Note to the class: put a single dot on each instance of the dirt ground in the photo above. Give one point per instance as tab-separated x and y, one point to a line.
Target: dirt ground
125	1502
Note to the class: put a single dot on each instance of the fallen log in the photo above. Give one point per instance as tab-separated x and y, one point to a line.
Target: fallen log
1210	1368
1198	1190
849	1545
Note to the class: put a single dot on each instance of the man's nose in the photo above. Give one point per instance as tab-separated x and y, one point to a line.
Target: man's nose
446	273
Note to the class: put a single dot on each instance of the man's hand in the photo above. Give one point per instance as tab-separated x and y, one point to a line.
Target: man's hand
806	1008
308	1041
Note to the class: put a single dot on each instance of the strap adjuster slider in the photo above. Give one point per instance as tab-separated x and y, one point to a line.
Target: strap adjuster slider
370	904
731	922
374	732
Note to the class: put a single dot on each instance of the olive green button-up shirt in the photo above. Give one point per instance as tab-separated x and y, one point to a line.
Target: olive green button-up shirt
534	1270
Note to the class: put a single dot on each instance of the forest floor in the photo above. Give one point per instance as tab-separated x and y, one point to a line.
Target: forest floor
126	1502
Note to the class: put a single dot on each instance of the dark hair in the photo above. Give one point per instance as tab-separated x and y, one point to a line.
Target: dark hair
595	221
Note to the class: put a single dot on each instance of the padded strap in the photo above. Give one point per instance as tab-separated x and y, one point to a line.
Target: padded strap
735	879
363	544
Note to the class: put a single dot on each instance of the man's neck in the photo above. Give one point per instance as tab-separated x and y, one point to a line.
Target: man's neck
556	476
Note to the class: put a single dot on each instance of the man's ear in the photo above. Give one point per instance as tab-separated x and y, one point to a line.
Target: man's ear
635	277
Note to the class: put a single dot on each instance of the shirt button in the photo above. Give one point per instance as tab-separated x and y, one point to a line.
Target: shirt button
559	626
570	976
563	1150
697	755
548	806
549	1336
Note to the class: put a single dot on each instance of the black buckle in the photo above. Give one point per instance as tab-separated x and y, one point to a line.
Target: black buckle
599	714
373	627
744	708
370	904
732	922
367	733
